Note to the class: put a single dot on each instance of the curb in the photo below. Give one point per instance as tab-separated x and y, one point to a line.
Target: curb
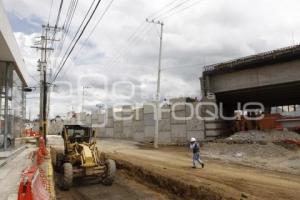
12	155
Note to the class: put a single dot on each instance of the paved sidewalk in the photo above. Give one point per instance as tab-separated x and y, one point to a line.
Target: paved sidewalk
11	172
5	156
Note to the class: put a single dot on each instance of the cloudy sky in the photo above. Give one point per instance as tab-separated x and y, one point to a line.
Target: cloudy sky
118	63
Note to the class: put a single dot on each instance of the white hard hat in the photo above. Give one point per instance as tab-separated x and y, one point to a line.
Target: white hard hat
193	139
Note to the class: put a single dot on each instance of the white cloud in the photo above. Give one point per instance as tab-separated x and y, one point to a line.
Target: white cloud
208	32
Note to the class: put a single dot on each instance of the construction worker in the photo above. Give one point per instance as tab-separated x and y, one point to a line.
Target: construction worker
194	145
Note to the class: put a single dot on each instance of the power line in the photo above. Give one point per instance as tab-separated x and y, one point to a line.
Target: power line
68	14
55	27
128	46
180	3
50	11
161	9
94	28
169	11
141	30
66	26
77	32
67	23
56	23
63	64
68	19
180	10
59	12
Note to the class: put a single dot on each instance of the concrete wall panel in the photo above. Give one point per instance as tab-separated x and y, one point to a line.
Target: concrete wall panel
213	125
166	114
118	126
118	116
149	131
164	137
178	130
181	115
213	133
127	132
100	132
164	125
149	119
109	132
127	123
109	112
199	135
194	124
179	107
138	114
109	123
138	126
148	109
138	136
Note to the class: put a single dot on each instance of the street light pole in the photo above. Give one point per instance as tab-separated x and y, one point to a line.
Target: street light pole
158	81
83	95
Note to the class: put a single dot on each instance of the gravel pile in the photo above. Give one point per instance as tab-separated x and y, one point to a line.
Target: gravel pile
261	136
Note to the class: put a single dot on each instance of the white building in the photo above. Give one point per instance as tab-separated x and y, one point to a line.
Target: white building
13	78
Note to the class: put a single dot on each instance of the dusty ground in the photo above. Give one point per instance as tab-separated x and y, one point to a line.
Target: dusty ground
124	188
258	149
217	180
268	156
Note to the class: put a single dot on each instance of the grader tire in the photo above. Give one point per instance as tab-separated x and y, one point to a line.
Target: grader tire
110	173
67	178
59	159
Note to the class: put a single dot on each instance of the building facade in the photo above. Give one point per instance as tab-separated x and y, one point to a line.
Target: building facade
13	78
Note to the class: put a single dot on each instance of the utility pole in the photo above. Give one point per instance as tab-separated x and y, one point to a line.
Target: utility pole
83	95
42	68
158	80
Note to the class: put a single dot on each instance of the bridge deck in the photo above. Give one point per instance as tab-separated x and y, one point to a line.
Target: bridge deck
270	57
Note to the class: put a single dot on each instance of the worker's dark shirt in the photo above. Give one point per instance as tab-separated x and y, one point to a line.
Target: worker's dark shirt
195	146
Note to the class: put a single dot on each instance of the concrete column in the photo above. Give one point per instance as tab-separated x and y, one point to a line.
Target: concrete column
6	117
202	88
207	85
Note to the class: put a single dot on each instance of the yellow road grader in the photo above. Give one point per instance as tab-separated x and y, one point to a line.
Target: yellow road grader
81	158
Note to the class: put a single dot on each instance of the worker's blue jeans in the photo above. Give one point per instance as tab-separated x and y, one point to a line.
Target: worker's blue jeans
196	158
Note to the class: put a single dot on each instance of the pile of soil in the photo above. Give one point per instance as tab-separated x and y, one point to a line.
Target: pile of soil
243	151
269	156
255	136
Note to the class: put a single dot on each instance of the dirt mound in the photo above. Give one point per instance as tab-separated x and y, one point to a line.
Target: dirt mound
262	136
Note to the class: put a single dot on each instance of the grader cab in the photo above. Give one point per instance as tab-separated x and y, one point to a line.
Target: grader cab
81	158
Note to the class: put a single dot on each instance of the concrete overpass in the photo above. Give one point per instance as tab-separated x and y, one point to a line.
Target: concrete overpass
272	78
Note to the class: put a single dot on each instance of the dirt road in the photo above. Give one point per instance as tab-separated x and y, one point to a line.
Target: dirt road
124	188
218	180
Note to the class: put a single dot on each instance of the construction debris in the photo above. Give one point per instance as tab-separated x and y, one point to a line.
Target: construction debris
261	136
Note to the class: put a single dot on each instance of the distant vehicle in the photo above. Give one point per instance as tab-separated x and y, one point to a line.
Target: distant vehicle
9	140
